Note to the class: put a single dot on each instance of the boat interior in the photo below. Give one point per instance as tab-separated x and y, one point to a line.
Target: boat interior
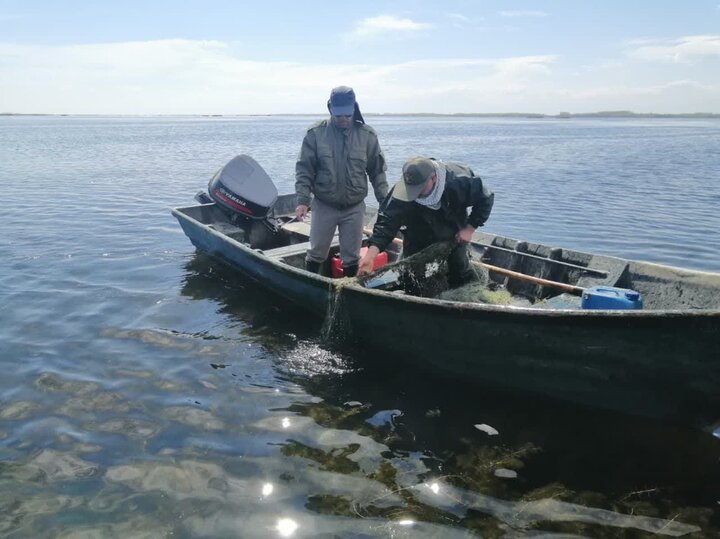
281	237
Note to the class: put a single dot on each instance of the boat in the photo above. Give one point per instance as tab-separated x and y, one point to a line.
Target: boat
661	360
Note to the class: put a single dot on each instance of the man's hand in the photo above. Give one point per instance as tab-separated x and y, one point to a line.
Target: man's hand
301	211
367	262
465	235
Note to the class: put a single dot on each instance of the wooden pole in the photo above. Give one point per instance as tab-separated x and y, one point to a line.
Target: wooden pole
524	277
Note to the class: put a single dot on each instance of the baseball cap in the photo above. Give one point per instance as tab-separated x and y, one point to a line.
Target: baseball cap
416	172
342	101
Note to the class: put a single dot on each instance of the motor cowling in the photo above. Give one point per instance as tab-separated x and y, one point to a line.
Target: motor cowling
243	188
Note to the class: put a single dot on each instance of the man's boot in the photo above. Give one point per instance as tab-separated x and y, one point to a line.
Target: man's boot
350	271
312	266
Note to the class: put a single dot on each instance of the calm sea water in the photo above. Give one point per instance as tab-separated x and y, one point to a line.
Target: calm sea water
147	391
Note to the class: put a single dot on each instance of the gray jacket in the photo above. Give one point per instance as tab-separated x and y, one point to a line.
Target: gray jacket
335	164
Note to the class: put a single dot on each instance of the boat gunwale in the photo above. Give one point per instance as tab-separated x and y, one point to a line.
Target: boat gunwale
462	305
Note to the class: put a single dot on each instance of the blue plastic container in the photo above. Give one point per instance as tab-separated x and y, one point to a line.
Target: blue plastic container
610	297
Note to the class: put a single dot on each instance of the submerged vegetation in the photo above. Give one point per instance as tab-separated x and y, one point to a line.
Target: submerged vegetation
462	487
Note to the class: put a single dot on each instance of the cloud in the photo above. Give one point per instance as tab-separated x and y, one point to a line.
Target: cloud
681	50
211	77
458	20
603	65
387	24
522	13
676	96
646	91
458	17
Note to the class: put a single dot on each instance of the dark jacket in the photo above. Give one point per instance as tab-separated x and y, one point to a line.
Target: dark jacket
424	225
334	165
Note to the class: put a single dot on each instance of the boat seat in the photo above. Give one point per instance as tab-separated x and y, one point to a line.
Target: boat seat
616	269
295	249
225	228
298	227
288	250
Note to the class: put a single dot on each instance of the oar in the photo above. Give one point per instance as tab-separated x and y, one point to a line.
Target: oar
514	274
529	278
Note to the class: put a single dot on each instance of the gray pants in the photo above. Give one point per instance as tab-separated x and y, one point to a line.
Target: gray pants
348	221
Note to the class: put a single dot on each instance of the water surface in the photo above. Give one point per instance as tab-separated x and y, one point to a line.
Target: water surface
148	391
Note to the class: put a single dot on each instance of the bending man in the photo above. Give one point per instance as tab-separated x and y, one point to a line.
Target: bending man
432	201
336	158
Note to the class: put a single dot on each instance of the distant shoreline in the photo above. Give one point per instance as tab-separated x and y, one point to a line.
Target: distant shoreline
527	115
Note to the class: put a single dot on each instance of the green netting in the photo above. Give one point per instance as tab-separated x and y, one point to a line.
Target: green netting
478	292
422	274
425	274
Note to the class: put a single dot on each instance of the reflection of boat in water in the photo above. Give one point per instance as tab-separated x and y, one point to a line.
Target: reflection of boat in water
659	360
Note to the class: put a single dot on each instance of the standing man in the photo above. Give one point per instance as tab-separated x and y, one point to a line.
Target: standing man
432	200
336	159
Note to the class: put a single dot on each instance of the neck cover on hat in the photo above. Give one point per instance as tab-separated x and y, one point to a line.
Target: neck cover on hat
432	201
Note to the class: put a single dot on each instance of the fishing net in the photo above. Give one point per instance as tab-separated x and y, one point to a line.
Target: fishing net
336	328
478	292
422	274
425	274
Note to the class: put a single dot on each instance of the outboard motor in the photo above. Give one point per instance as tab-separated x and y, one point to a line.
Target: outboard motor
243	187
246	194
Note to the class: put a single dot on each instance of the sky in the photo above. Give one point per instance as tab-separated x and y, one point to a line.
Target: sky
276	57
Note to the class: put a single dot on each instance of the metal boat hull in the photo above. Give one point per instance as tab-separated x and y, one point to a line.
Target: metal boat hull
659	362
